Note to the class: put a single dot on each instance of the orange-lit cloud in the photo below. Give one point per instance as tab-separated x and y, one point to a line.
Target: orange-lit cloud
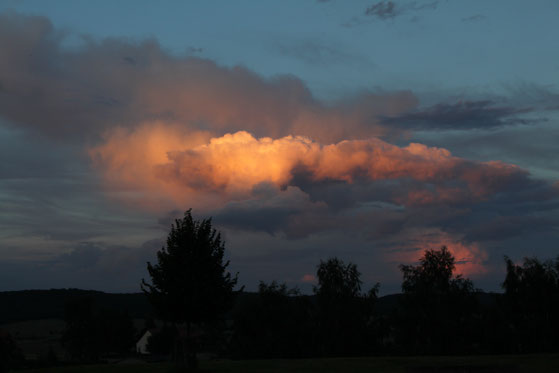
470	258
257	153
192	168
308	278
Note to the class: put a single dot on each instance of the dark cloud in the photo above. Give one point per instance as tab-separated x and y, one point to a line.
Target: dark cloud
130	60
169	218
373	211
269	210
385	10
194	50
266	219
504	227
507	143
50	200
463	115
542	97
474	18
82	91
90	265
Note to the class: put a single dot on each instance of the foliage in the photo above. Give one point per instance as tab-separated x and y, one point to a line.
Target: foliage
344	315
337	281
531	304
438	309
434	275
275	323
438	313
160	343
190	283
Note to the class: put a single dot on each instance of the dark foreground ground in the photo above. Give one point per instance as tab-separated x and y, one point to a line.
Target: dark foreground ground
471	364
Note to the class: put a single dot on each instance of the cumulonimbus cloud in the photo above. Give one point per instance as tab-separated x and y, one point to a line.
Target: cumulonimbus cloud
186	165
171	132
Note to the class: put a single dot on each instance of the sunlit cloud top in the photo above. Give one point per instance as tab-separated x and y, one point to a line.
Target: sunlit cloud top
108	138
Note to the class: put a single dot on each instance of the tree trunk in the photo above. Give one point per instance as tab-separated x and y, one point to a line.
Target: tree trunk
191	359
178	351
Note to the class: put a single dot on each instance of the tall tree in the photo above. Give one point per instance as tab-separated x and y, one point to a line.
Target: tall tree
344	313
274	323
190	284
337	280
531	304
438	305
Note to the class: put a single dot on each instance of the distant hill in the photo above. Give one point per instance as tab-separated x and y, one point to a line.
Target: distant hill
49	304
389	303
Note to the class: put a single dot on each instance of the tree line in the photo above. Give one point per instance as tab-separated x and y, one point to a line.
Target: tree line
438	311
195	296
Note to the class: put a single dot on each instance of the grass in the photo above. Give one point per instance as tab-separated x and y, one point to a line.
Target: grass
439	364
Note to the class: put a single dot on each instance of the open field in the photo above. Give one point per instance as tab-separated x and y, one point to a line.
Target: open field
36	337
462	364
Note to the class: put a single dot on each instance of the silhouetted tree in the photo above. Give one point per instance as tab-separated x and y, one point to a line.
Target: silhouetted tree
337	280
437	311
116	331
531	304
274	323
160	343
190	283
344	313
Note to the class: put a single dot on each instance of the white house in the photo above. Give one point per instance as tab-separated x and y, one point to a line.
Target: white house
142	344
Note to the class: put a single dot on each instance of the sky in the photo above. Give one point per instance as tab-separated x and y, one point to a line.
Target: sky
365	130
